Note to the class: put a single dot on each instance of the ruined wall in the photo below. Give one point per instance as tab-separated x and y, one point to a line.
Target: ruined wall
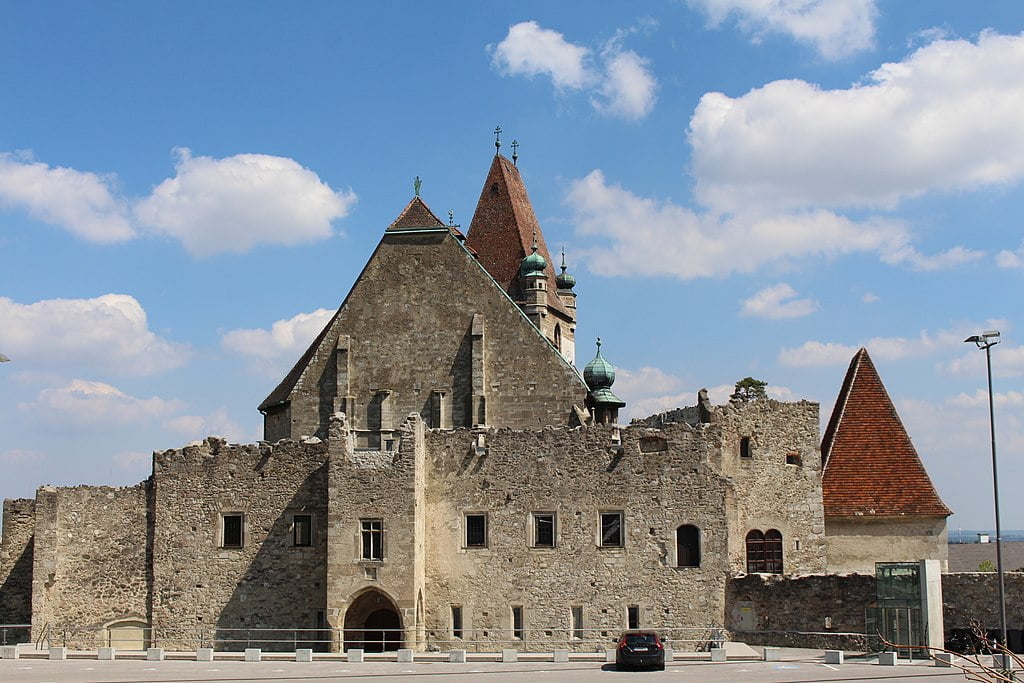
16	561
856	544
269	582
576	474
410	316
974	596
89	560
769	493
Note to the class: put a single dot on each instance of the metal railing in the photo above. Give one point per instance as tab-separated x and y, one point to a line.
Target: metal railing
374	639
12	634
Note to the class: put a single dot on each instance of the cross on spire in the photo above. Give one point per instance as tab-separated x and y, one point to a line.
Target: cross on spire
515	153
497	139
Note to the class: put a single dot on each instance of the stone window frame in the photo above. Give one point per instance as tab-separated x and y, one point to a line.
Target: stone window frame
535	520
465	530
746	447
517	620
222	532
621	529
367	551
310	539
632	617
699	539
457	621
764	551
576	622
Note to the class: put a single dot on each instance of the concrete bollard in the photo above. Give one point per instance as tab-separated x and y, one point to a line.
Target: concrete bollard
106	654
404	655
9	652
609	655
355	654
58	654
772	654
204	654
1003	662
253	654
833	656
510	656
155	654
669	654
561	656
945	659
718	654
887	659
457	656
304	654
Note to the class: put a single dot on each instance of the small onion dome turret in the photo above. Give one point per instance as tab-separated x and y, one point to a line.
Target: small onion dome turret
564	280
534	264
599	376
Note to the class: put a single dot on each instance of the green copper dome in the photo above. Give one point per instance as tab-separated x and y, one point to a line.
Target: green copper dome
564	280
533	264
599	373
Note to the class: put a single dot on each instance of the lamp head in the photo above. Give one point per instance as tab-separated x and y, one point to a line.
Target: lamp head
985	339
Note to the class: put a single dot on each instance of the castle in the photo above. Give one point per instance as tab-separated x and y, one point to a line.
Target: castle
435	469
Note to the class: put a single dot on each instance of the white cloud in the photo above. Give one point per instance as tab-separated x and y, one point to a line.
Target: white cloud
628	86
276	349
778	301
95	406
815	353
132	461
110	332
623	86
20	456
835	28
945	118
1011	259
216	424
1007	361
232	204
929	35
901	253
980	398
80	202
869	298
529	50
662	238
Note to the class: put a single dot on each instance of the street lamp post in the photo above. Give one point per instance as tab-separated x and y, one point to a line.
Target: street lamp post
986	340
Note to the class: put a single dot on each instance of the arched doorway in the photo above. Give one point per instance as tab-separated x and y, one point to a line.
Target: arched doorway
372	622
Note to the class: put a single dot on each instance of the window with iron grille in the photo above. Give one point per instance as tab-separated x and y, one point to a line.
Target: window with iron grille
302	530
764	552
231	531
544	529
476	531
611	530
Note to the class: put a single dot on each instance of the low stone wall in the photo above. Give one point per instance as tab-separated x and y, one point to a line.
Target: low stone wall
974	596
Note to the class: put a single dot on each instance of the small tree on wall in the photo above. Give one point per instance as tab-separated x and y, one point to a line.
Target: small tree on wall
750	389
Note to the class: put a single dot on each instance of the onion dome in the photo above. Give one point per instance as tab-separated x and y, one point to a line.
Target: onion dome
564	280
534	264
599	373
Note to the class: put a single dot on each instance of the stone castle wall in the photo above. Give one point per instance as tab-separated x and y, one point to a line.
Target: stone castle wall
268	583
90	560
974	596
16	561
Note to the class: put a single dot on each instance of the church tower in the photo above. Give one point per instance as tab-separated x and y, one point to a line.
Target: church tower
505	234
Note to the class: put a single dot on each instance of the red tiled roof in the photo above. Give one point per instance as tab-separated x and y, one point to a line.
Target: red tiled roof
870	465
416	214
503	228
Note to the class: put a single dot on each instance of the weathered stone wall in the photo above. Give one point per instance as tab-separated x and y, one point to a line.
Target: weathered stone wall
576	474
268	583
90	560
16	561
410	316
855	545
974	596
769	493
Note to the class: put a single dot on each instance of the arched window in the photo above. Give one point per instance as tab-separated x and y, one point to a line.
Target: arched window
687	546
764	552
558	337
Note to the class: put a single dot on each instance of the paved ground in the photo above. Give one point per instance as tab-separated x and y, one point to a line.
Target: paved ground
796	667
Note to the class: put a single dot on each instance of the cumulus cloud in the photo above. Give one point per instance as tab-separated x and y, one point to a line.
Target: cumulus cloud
621	81
835	28
777	301
232	204
945	118
662	238
1011	259
96	405
869	298
80	202
274	349
110	332
1007	360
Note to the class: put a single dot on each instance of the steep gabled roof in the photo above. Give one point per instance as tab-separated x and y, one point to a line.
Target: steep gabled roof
870	465
416	215
503	228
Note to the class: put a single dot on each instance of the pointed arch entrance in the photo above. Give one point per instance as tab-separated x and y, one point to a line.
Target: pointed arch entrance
373	623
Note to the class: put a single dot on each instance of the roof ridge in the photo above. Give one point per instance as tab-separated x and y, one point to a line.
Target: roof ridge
416	214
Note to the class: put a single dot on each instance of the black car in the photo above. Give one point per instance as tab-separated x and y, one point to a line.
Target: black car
640	649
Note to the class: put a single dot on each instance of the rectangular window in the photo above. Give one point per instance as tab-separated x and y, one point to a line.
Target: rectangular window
633	617
373	538
456	621
518	632
544	529
476	531
302	530
577	622
745	447
231	532
611	529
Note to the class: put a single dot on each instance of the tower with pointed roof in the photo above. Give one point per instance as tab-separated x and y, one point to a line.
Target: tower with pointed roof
880	505
503	233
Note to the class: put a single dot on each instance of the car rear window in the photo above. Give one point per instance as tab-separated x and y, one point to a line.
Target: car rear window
641	639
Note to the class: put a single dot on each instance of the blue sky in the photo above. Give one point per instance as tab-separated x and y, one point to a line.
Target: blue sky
742	187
